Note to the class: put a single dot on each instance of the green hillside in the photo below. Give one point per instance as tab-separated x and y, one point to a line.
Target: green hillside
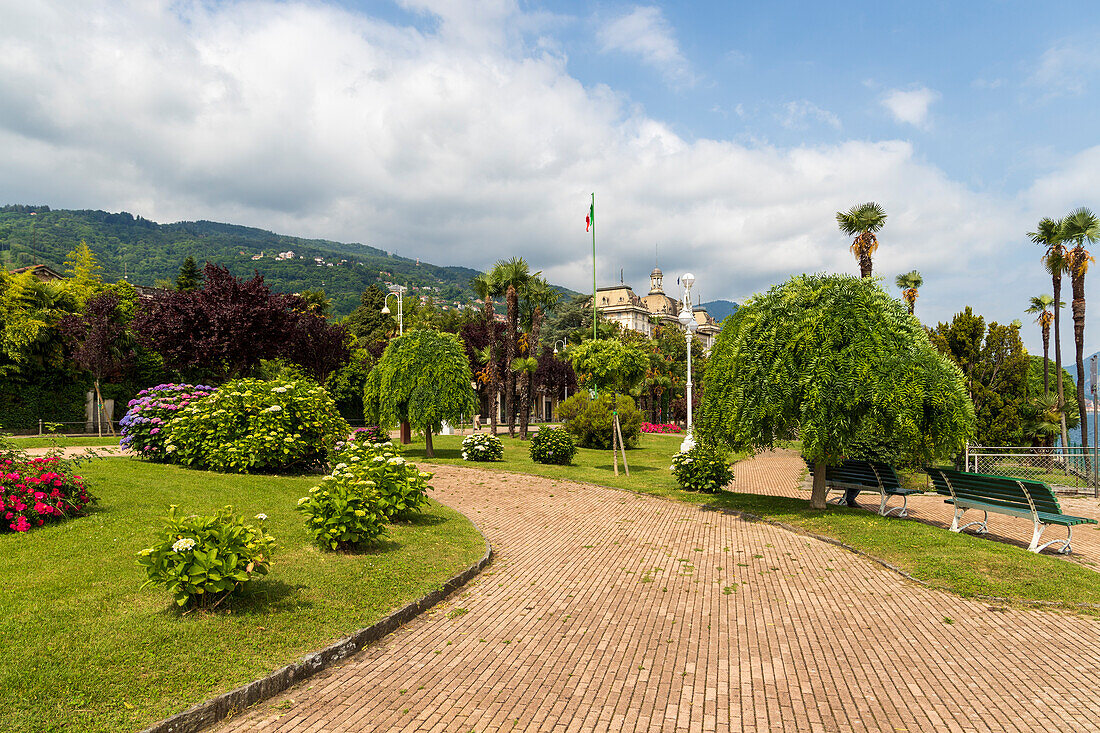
144	251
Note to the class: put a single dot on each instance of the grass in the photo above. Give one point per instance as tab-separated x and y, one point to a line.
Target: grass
85	649
957	563
63	441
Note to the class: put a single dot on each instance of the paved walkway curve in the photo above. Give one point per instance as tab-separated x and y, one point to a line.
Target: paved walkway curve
609	611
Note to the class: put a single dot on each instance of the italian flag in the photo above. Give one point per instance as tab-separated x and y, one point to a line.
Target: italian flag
590	220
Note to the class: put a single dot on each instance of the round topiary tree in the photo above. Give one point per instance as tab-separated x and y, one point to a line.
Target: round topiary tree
423	378
832	357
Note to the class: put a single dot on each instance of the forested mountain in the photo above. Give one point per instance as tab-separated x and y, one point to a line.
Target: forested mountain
144	252
720	309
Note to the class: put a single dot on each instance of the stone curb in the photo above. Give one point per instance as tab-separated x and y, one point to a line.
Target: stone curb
224	706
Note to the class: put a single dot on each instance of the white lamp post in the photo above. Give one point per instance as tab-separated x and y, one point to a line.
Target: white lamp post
687	320
396	292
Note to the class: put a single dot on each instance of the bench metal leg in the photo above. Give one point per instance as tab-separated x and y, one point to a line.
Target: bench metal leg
1035	547
902	510
982	525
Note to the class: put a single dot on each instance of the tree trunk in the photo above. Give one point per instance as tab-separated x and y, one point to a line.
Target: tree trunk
865	255
428	450
529	377
524	402
406	433
512	300
494	384
1079	344
1056	281
1046	359
817	497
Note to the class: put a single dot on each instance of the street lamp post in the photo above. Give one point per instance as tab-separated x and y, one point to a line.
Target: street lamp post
396	292
687	320
564	345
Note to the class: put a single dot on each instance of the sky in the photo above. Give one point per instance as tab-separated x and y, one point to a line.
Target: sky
718	137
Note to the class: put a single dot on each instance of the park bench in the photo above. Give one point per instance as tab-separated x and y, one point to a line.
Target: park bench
858	475
1015	497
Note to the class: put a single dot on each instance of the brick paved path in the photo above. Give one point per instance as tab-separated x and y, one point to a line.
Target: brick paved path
607	611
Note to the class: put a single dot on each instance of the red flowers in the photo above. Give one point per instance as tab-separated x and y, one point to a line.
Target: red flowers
24	501
649	427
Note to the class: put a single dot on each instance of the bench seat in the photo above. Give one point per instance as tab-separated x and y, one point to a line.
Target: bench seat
1015	497
859	475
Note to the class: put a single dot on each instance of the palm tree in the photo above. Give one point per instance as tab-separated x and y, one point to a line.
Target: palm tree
1049	234
483	287
538	296
1041	304
909	283
509	277
862	222
1080	226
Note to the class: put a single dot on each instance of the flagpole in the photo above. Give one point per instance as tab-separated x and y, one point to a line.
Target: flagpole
593	210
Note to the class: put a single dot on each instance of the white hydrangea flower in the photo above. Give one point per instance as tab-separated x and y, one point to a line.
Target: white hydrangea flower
341	466
280	390
275	408
261	516
303	500
396	461
183	545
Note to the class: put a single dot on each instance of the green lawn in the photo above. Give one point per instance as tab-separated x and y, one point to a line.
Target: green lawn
84	649
958	563
61	441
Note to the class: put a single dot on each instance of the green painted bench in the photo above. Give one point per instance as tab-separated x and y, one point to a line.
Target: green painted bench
854	476
1015	497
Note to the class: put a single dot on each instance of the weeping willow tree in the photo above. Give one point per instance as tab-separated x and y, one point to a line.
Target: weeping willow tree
423	378
834	358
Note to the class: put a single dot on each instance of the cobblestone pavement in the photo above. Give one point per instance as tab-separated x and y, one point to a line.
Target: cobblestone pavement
609	611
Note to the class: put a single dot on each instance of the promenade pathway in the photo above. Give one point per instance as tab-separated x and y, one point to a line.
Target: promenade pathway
609	611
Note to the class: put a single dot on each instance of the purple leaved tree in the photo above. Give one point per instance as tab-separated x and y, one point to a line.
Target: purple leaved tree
101	343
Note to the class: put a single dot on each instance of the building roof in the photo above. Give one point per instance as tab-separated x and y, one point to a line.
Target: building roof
42	272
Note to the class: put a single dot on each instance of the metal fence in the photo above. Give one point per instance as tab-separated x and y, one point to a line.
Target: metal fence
1067	470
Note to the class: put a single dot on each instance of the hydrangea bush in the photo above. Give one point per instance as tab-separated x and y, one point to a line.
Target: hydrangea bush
253	425
482	447
145	424
202	560
554	446
369	485
651	427
37	491
703	468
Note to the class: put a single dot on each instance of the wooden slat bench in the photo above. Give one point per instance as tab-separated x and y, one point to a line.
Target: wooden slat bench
858	475
1015	497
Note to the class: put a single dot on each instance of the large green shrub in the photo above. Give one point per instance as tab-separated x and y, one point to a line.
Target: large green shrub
201	560
703	468
251	425
343	512
482	447
553	446
590	420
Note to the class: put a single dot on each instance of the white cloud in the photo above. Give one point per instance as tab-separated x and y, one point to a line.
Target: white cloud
1066	69
799	114
462	144
910	106
644	32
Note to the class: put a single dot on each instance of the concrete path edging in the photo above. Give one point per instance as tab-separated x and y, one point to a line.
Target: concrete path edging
224	706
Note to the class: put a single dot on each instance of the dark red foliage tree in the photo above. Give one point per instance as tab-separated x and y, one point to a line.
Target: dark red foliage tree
228	326
318	346
99	337
555	375
477	335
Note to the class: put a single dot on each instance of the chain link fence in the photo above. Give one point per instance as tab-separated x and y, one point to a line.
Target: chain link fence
1067	470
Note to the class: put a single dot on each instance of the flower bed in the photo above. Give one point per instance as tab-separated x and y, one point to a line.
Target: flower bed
38	491
652	427
145	424
482	447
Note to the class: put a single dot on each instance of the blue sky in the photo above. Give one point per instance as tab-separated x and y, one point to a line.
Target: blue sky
726	134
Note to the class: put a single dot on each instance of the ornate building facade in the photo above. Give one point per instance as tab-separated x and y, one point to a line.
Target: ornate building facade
619	304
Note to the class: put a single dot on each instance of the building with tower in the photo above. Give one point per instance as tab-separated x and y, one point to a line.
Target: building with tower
620	304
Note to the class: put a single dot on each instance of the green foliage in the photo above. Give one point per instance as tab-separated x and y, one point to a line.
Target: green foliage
190	276
1035	388
423	378
829	356
345	510
482	447
705	467
590	420
609	364
202	560
402	488
252	425
995	365
553	446
85	275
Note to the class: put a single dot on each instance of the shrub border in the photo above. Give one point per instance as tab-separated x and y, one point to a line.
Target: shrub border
224	706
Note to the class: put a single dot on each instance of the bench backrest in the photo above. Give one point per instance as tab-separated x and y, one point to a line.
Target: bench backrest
865	473
1000	490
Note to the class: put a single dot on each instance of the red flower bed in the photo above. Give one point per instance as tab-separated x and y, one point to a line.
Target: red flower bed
36	491
651	427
